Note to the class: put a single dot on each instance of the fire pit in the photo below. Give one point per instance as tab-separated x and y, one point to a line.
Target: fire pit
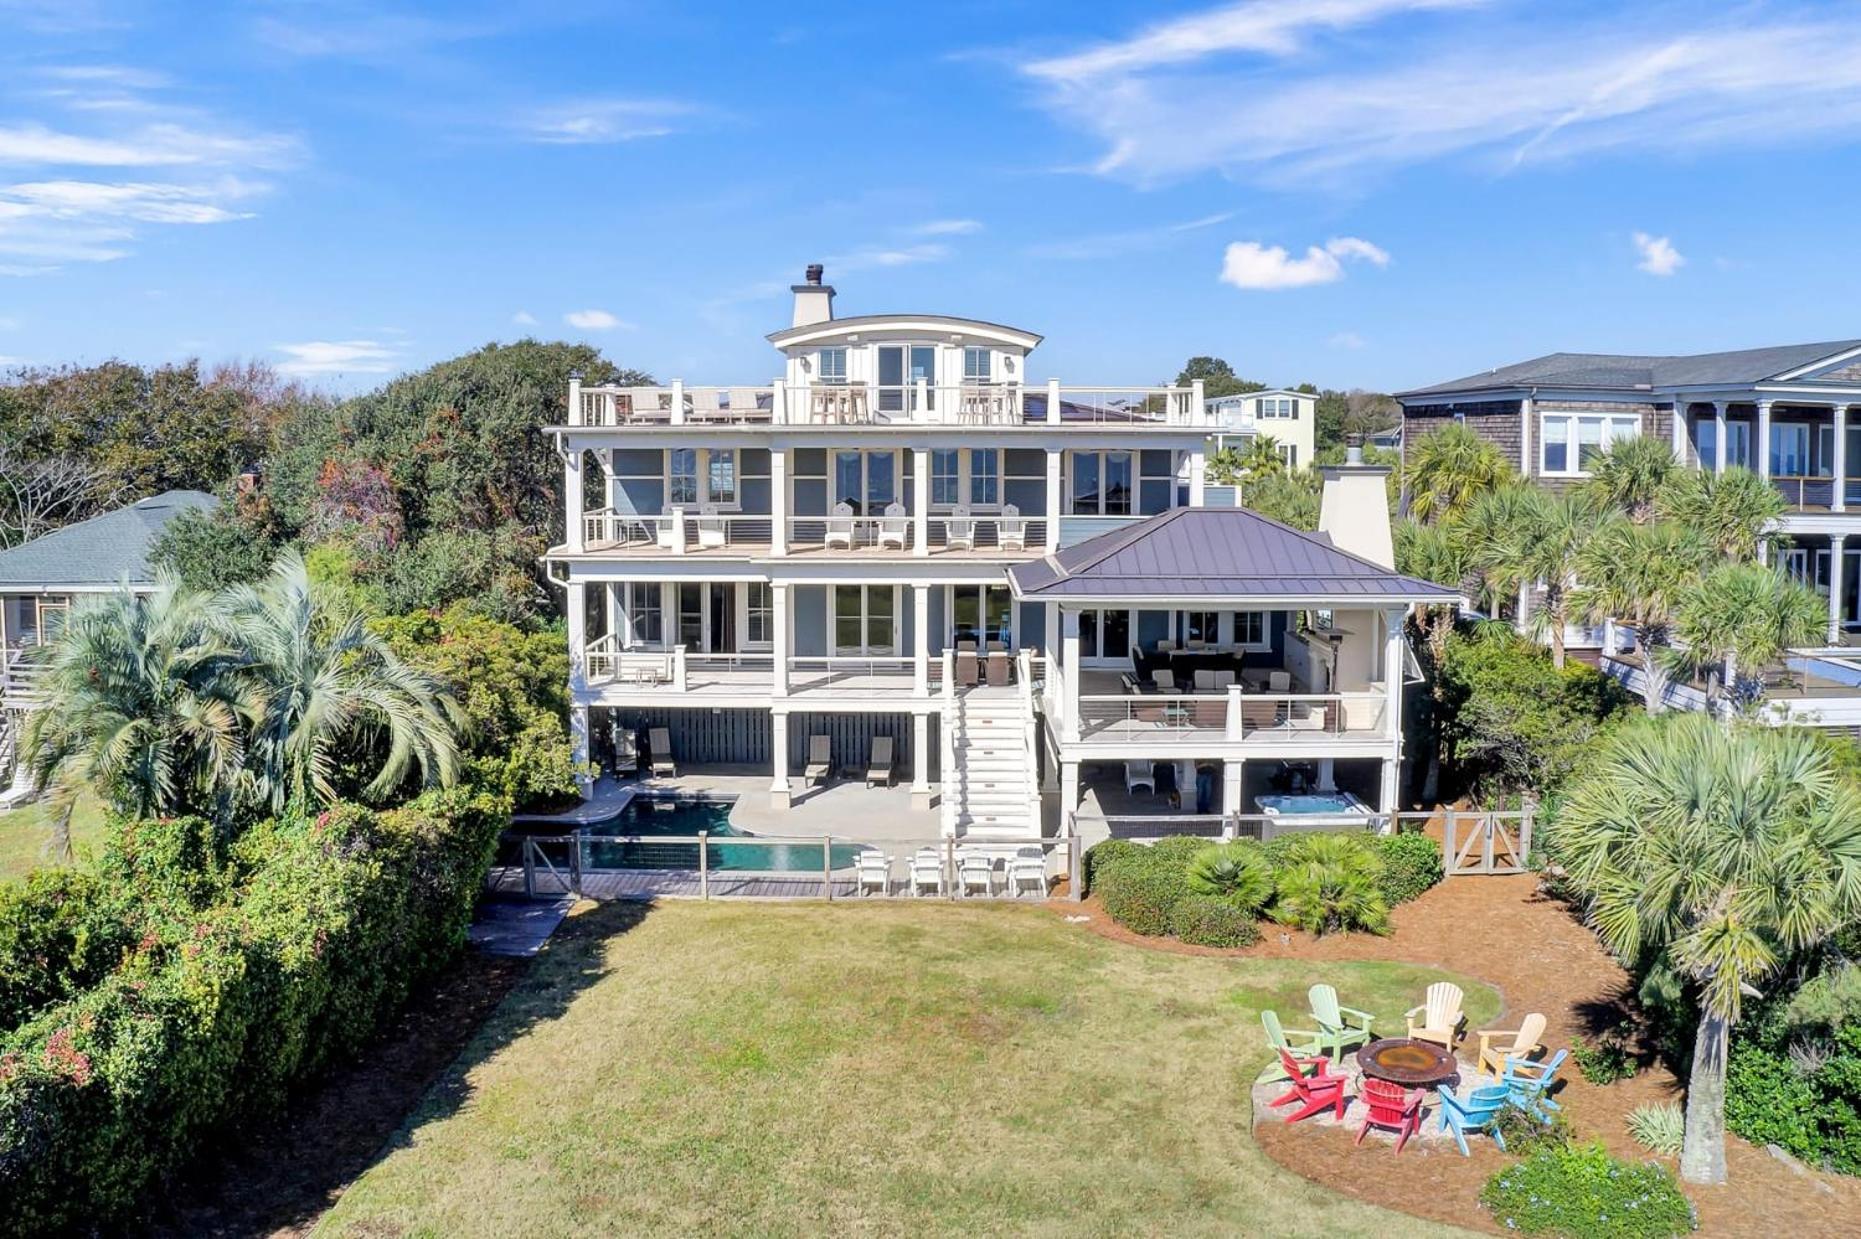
1408	1062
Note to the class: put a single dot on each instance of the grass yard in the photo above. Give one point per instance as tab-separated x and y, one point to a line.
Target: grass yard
801	1068
26	833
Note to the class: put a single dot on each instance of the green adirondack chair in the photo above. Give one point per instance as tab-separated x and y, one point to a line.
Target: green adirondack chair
1298	1042
1341	1027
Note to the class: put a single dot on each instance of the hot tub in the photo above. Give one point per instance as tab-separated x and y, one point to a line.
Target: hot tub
1316	806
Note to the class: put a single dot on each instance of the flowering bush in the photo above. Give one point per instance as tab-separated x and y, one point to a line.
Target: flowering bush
1582	1192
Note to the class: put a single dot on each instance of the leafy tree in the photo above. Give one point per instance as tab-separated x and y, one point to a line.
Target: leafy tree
40	493
1724	851
1450	468
1637	574
1629	476
1743	617
210	550
1218	378
1733	511
1526	534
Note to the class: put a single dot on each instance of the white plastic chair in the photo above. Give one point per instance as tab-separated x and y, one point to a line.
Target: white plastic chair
1011	530
1139	774
978	871
1279	681
894	526
840	526
671	527
710	527
1027	869
959	531
927	871
874	871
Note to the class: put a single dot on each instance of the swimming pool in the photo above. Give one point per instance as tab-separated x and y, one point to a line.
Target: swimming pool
649	816
1312	804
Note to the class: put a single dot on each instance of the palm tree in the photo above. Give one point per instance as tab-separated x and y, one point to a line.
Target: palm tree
1743	616
1450	468
1440	554
1262	458
1523	535
144	703
1722	852
1629	475
322	681
1636	574
1734	511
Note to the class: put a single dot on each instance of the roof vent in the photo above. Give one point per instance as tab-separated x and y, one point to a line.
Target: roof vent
815	272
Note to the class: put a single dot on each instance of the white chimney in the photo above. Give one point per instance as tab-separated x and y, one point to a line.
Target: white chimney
814	301
1354	509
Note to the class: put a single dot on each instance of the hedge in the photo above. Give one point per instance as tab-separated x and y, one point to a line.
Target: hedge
1140	893
1210	920
1411	864
252	965
1809	1104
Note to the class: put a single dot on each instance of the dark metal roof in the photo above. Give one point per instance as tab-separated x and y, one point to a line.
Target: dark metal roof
104	550
871	320
1215	553
1617	372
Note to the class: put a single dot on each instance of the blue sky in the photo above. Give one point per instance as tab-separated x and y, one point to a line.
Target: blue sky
1374	193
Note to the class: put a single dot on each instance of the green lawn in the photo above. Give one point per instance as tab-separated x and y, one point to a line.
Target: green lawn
26	832
802	1068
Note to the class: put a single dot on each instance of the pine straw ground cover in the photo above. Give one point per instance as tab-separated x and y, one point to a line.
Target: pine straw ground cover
890	1068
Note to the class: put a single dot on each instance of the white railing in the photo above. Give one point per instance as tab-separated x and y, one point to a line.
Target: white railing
1233	715
985	531
1129	406
850	532
603	661
1030	735
872	404
1125	717
21	680
676	405
892	673
677	531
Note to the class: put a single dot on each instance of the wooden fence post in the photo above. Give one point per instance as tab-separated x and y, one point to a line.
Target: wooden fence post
1075	869
1449	849
827	866
1525	837
1489	824
704	864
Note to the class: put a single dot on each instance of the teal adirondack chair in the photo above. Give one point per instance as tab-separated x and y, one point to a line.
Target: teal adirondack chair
1341	1026
1478	1111
1529	1084
1298	1042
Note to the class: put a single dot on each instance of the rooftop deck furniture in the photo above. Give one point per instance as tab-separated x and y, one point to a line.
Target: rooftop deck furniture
874	871
840	526
660	741
1477	1112
1011	530
894	527
879	768
1440	1012
704	404
1528	1085
647	404
959	530
746	405
1390	1106
1314	1086
927	871
1139	774
1299	1043
1341	1026
820	759
1497	1045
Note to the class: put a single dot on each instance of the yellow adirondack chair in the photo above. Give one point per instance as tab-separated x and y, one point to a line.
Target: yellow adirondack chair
1497	1044
1440	1014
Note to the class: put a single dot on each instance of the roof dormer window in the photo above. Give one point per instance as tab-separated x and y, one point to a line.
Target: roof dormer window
978	365
831	365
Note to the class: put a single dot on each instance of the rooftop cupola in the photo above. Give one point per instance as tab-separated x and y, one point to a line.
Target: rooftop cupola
814	301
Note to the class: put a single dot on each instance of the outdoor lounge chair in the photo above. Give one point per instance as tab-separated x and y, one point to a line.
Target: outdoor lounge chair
977	870
646	404
1027	869
840	526
998	668
959	530
820	759
1011	530
1497	1045
966	674
1478	1111
1391	1106
660	741
1528	1085
879	768
927	871
1440	1014
1204	680
710	527
874	871
746	405
1299	1044
1342	1026
704	404
894	526
1139	774
1314	1086
1279	681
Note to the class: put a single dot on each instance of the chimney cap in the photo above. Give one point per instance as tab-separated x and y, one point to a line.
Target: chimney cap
815	272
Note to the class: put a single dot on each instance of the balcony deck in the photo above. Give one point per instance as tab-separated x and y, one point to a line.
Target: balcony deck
1110	716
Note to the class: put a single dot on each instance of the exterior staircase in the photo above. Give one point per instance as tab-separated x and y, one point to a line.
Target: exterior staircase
991	785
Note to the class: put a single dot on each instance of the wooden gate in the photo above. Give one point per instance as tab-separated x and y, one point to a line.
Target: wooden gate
1484	843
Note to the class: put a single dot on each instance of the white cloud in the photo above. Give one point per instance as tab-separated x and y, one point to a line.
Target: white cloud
523	318
1134	240
1658	255
150	203
601	121
337	357
1346	339
595	320
150	146
871	257
1249	264
948	227
1268	89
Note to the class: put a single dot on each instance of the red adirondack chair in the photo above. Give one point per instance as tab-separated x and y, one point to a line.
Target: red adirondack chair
1392	1106
1320	1090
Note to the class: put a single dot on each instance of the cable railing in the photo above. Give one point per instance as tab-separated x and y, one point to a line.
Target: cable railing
1230	715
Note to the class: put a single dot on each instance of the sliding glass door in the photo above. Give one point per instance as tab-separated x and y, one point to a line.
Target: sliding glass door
865	620
981	613
900	367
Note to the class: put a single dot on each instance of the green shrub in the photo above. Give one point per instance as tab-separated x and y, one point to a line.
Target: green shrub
1525	1133
1605	1060
1212	920
1178	849
60	933
1659	1128
1235	872
1582	1192
1329	882
1103	853
1139	892
1804	1097
1411	864
298	942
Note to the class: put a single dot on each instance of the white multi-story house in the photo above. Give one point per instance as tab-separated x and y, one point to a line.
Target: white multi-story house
906	537
1289	418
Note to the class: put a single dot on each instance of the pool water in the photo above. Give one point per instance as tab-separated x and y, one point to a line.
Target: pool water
647	816
1310	804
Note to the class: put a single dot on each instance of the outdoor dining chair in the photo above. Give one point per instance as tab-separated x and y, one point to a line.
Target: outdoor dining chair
1497	1045
998	668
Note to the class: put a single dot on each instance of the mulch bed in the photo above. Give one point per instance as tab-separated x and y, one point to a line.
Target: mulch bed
1508	933
279	1180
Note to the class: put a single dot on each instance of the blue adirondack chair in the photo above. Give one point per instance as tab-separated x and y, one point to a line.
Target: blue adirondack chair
1478	1111
1342	1026
1301	1043
1528	1084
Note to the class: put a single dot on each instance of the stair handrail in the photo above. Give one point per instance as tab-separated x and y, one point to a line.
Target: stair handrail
946	728
1030	736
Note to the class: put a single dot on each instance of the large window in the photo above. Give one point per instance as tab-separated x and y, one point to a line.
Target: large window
645	613
1790	450
832	365
1279	407
691	615
866	480
984	477
758	615
1204	626
1569	443
982	613
1289	453
1250	628
721	476
1102	484
946	476
865	618
1104	634
701	475
682	476
977	365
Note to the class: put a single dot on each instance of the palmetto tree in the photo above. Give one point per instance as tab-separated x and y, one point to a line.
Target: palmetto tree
320	680
1262	458
1743	617
1637	574
1450	468
1521	535
1725	850
1629	475
1733	511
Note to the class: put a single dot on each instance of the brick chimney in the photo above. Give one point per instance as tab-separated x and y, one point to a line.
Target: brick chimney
1354	509
814	301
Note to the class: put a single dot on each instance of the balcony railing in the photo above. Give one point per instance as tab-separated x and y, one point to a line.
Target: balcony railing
869	404
678	530
1806	492
1230	716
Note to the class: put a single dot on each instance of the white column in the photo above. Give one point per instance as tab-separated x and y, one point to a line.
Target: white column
1680	429
678	402
1196	480
1835	588
920	622
575	398
572	494
1841	458
784	638
1231	775
578	748
1069	641
920	501
778	754
1528	414
1327	774
1391	771
920	761
778	501
1763	444
1053	402
575	612
1718	436
1069	796
1054	458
